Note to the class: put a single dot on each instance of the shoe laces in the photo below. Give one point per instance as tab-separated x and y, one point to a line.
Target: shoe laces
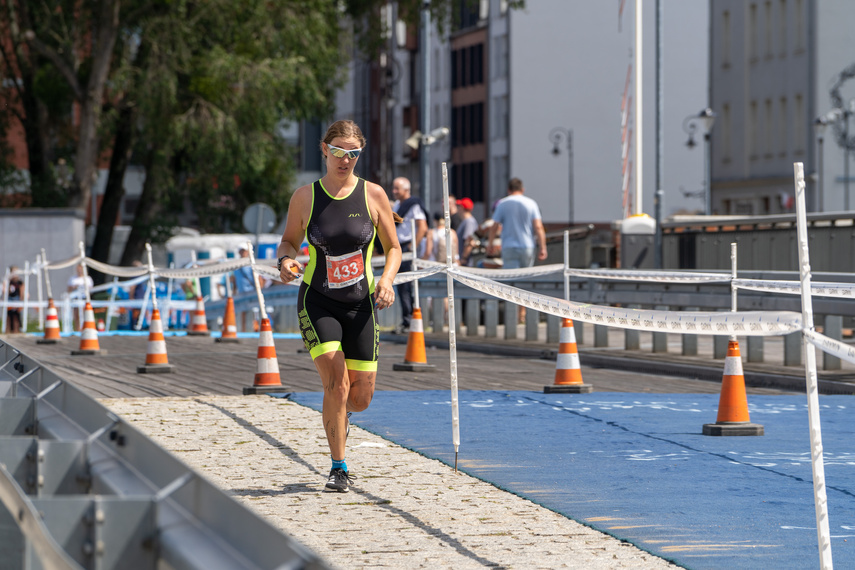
341	476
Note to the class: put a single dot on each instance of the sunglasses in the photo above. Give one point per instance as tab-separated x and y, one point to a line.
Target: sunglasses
341	153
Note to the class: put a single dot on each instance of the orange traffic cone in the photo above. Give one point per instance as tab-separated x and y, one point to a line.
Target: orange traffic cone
229	333
155	356
88	334
415	359
568	373
198	322
51	325
733	416
267	373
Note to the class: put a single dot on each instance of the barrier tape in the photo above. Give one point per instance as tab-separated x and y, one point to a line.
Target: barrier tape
408	276
501	274
831	346
838	290
751	323
654	276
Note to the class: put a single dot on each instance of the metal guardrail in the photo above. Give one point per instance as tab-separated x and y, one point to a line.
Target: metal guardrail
705	296
81	488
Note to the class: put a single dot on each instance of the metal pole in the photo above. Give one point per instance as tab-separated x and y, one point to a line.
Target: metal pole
566	265
819	491
660	153
821	176
424	149
151	277
415	264
452	337
570	160
638	110
846	160
732	279
707	176
257	283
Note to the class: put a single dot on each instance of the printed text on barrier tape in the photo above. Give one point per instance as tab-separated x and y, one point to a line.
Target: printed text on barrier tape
653	276
502	274
831	346
839	290
749	323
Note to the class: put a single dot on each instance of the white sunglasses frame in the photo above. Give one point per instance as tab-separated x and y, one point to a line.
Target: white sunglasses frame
346	152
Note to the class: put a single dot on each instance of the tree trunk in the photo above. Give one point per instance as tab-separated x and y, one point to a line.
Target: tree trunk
147	211
85	161
115	190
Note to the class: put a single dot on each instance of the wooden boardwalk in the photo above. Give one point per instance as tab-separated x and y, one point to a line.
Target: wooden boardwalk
203	366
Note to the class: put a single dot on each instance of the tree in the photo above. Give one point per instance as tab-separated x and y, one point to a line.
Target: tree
193	90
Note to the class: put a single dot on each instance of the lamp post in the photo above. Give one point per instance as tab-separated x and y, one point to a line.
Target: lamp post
690	124
819	128
557	136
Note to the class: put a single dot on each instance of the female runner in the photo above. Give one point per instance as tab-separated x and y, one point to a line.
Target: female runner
339	216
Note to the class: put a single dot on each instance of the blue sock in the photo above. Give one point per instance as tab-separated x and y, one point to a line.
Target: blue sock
339	464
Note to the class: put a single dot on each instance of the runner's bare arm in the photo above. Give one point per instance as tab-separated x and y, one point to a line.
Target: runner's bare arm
295	229
381	214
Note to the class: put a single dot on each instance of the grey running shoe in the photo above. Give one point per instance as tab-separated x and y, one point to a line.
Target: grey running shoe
339	480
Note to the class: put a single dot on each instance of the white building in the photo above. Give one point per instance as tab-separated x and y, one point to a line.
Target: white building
774	66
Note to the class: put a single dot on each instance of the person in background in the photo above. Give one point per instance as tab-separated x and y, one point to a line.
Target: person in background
453	212
338	300
77	283
435	250
16	293
435	242
518	219
409	208
466	231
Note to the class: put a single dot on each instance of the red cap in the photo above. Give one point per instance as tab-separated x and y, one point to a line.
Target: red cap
465	203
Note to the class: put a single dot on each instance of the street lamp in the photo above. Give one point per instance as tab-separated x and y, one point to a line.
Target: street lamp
690	124
557	136
819	128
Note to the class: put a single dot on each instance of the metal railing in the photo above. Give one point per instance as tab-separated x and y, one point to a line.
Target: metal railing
81	488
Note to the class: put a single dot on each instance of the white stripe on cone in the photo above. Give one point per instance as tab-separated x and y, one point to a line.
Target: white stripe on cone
416	325
565	361
733	366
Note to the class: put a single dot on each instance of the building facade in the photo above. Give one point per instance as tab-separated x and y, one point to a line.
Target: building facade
774	65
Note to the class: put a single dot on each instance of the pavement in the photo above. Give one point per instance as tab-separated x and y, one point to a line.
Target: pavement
405	510
585	481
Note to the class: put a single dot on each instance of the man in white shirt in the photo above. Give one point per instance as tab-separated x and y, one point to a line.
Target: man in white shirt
519	219
409	208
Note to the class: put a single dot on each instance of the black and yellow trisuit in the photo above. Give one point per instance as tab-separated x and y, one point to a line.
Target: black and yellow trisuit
335	304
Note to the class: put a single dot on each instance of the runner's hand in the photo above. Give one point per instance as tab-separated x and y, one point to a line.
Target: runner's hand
384	294
291	269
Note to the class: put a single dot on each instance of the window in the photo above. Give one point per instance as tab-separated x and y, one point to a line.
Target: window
768	131
782	28
500	117
782	128
468	181
800	25
467	125
726	133
500	56
751	135
799	125
725	39
752	32
767	27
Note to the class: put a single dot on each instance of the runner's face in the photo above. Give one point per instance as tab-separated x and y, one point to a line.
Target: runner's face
341	166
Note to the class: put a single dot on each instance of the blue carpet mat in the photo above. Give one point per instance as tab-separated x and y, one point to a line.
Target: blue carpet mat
637	467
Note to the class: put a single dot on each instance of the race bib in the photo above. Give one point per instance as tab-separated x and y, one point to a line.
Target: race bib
345	270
